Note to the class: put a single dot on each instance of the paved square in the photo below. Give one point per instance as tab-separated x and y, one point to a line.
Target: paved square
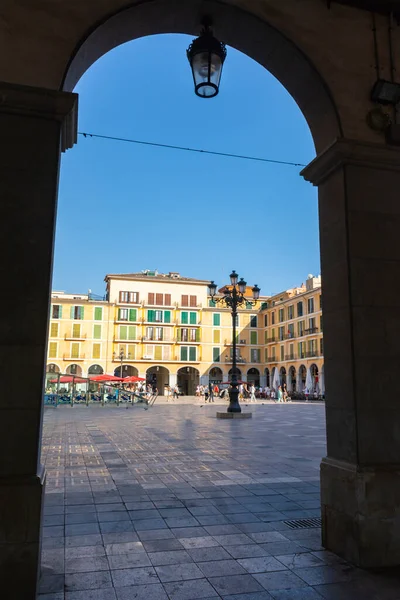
171	503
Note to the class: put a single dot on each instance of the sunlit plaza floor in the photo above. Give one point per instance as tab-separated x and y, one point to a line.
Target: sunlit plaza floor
171	503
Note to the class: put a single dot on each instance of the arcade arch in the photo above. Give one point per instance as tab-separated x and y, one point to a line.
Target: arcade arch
158	376
188	379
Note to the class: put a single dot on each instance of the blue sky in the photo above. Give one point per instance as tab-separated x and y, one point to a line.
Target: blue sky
126	207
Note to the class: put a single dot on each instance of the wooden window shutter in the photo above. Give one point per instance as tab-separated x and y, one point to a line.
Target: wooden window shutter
159	299
54	330
72	312
97	332
150	298
184	318
197	335
151	316
216	336
60	311
158	353
123	332
193	318
96	350
216	320
76	330
193	300
98	313
192	353
167	298
167	316
131	332
53	350
185	300
184	353
132	314
121	295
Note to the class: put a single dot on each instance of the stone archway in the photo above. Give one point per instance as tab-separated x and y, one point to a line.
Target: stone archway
95	370
158	376
282	376
301	378
127	371
291	382
188	379
314	377
74	370
238	373
267	377
216	375
253	376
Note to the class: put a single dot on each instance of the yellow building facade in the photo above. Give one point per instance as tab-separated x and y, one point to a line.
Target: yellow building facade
166	329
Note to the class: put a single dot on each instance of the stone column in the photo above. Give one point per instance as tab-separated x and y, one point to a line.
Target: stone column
359	211
35	124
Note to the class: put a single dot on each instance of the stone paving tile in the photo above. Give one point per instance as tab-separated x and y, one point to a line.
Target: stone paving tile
153	591
139	492
190	590
56	596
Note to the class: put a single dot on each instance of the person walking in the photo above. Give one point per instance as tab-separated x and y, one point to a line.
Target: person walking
280	394
210	392
216	390
306	393
176	392
252	393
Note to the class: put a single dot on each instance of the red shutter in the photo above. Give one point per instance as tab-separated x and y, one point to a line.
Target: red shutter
167	299
159	299
193	300
185	300
120	296
150	298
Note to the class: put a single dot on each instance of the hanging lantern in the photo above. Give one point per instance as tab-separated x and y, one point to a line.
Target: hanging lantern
206	56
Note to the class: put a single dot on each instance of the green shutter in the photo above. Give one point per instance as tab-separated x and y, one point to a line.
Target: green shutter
97	332
132	332
60	311
151	316
253	337
98	313
184	318
216	320
215	354
212	303
72	311
249	305
123	329
132	314
167	316
184	352
192	353
193	318
197	335
81	312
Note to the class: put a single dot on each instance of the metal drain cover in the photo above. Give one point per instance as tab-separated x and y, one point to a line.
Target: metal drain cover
304	523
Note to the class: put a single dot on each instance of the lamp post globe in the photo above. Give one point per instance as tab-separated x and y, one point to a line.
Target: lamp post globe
206	56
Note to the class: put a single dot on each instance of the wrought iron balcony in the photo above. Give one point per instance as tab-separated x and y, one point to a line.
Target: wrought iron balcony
311	330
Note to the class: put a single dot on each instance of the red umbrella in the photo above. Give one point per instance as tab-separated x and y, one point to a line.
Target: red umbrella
105	377
68	379
132	379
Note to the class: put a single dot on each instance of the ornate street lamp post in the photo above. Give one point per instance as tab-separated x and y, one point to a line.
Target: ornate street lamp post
234	296
206	56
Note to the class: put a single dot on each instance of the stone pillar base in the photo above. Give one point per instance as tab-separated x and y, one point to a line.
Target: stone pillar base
20	535
360	509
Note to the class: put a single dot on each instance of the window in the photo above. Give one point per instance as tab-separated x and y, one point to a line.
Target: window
131	352
320	323
127	332
290	312
249	305
312	347
183	334
300	328
155	316
54	330
96	351
216	320
149	333
123	314
194	335
253	321
299	309
77	312
265	320
53	350
56	311
311	323
291	330
216	336
158	334
98	313
253	337
273	357
265	337
158	352
184	318
97	332
129	297
282	353
167	316
320	302
159	299
281	333
216	355
310	305
188	353
265	354
167	299
184	300
193	318
193	301
150	298
301	348
321	346
76	330
74	350
281	315
273	318
255	355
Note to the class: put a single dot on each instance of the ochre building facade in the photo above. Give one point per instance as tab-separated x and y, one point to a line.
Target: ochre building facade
166	328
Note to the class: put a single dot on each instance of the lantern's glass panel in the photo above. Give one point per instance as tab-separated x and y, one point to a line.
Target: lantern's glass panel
207	69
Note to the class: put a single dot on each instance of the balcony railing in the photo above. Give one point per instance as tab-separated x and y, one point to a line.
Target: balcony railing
71	336
271	340
289	336
240	360
311	330
312	353
70	357
290	357
271	359
239	342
